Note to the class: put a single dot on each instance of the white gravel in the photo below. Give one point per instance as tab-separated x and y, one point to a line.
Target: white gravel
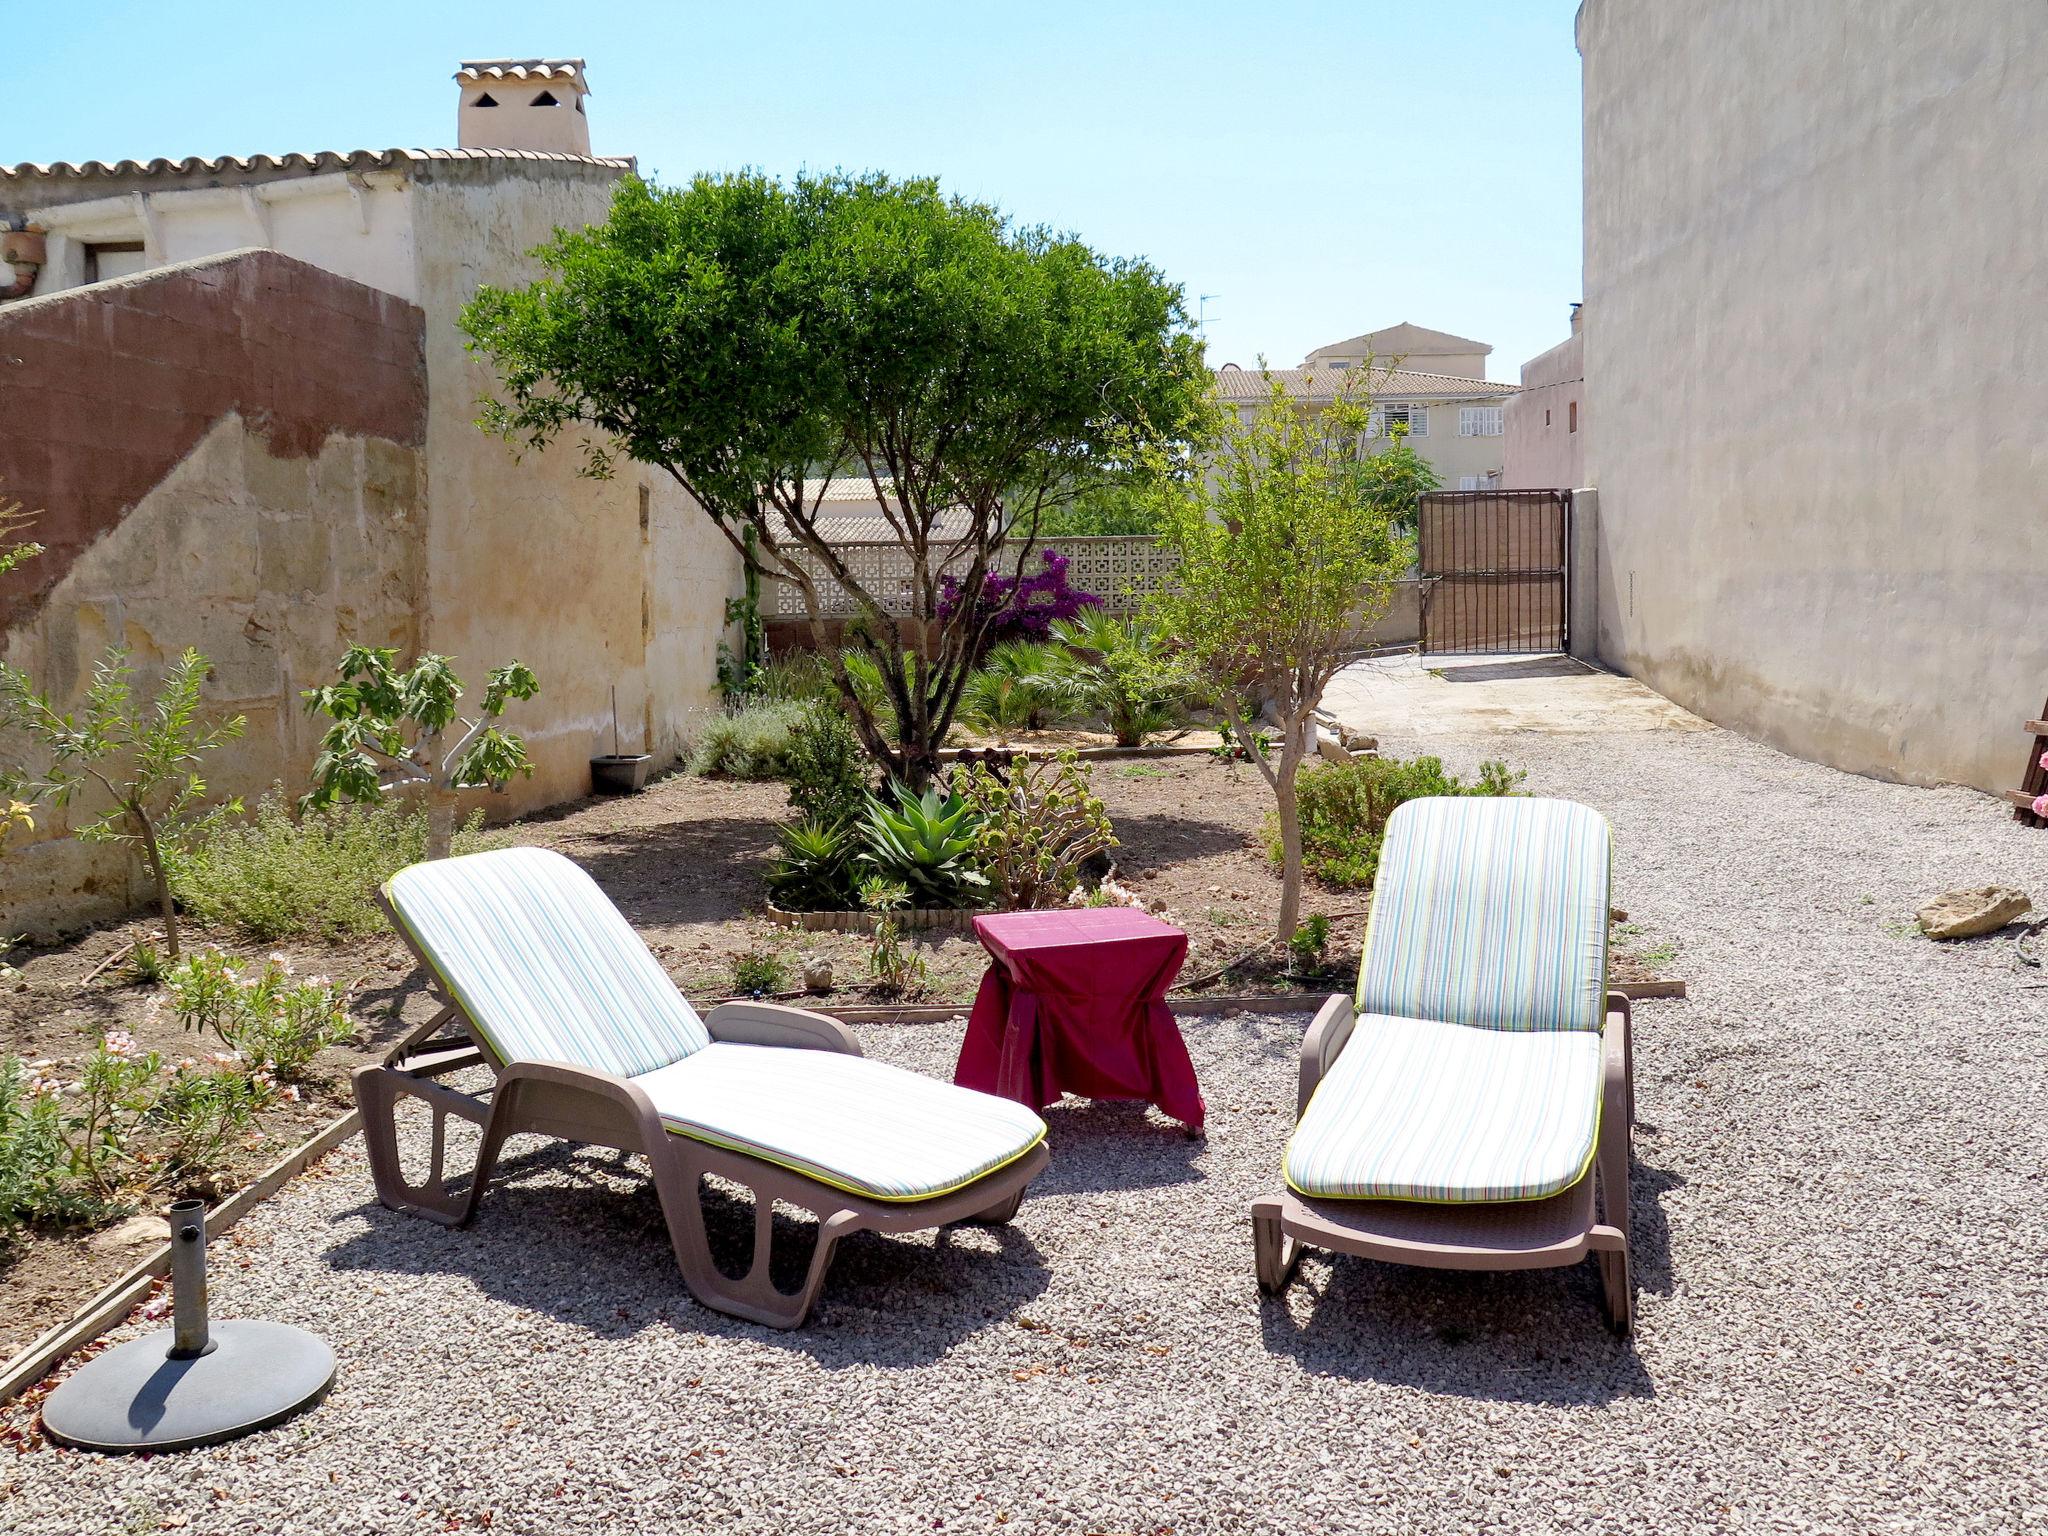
1838	1210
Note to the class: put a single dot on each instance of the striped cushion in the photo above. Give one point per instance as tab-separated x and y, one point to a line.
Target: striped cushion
1416	1110
543	963
1490	912
858	1125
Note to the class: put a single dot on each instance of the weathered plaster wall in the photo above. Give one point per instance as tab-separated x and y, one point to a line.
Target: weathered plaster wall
1816	351
279	515
528	558
1542	449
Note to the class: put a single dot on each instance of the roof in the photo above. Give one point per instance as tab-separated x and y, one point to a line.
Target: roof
473	70
1404	340
270	167
1242	384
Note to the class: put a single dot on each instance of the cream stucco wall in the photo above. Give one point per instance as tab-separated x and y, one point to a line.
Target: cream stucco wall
526	556
1545	443
1816	355
265	563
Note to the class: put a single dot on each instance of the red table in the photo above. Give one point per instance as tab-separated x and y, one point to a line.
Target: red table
1074	1002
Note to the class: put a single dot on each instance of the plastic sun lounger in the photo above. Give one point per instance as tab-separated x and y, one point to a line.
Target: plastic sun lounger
1470	1107
590	1041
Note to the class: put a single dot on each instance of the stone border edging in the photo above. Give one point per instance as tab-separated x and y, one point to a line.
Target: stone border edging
114	1301
849	920
1038	754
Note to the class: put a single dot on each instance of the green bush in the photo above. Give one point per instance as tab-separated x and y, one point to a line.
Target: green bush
759	973
1040	822
814	871
748	743
794	677
827	772
276	875
267	1018
926	844
1022	685
1124	671
1345	806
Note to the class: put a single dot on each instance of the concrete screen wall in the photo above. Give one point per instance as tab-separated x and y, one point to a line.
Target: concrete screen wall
1816	354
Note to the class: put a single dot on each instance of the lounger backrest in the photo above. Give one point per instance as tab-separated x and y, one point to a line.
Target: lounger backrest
543	963
1491	912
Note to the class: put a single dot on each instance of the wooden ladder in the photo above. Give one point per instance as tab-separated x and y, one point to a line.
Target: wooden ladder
2035	783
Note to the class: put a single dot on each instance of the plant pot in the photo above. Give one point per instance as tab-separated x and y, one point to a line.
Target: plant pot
620	775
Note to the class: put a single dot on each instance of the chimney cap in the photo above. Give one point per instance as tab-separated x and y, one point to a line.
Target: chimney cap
474	70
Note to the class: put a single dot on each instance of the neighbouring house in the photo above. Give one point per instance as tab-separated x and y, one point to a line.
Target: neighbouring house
1545	445
1816	355
236	392
1430	382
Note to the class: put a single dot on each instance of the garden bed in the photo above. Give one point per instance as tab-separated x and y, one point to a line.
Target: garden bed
685	862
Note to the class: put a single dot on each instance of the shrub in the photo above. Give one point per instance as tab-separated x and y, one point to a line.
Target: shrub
34	1160
751	742
825	767
759	973
1124	671
1345	806
795	677
276	875
926	844
1022	686
814	871
263	1016
894	969
1022	607
1040	822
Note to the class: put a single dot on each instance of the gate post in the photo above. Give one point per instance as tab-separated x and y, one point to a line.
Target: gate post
1582	578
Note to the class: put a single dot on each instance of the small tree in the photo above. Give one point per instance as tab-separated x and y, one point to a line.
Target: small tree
1286	558
144	760
387	731
753	341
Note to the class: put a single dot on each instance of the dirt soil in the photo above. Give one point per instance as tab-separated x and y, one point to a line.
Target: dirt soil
685	862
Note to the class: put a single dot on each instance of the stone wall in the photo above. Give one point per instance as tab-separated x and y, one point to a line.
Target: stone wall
225	455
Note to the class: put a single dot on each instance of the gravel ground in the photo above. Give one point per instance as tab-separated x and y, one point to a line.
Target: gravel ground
1838	1227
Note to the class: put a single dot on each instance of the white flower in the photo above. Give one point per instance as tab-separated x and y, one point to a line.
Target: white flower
281	962
118	1042
292	1092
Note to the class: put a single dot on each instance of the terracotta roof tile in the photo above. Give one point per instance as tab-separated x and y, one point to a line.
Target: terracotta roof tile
473	70
1248	384
283	165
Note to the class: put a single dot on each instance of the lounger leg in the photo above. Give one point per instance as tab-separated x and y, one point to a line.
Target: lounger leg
378	1090
1276	1254
1619	1286
1004	1210
1616	1125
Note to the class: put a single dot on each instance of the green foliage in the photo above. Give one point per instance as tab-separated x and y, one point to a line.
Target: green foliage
814	871
1239	741
752	742
147	963
387	730
1345	806
13	522
894	969
739	672
1021	685
759	973
1305	948
796	677
754	339
1124	671
1285	556
278	876
827	773
1039	823
34	1160
1101	511
143	759
264	1015
1393	480
926	843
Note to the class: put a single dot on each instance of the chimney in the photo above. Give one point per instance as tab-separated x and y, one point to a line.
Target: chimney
523	104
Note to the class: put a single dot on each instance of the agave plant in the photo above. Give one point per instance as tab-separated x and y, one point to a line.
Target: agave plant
927	842
1021	686
814	871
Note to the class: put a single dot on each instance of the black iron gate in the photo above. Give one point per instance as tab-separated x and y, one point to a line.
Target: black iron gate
1493	571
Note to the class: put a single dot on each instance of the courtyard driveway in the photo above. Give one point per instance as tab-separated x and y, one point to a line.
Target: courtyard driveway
1450	696
1837	1204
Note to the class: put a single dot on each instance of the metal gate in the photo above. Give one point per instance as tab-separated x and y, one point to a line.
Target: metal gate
1493	571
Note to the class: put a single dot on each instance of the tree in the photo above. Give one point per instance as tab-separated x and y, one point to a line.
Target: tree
1395	478
144	760
753	340
387	734
1286	558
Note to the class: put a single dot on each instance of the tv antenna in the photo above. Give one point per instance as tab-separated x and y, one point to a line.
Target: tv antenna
1202	313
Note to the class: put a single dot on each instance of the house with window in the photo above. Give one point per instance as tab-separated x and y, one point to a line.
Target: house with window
1546	441
1429	383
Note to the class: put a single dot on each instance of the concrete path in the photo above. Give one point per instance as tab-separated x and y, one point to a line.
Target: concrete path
1410	695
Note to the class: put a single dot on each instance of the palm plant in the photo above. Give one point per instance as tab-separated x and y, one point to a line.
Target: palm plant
1125	671
927	842
1020	686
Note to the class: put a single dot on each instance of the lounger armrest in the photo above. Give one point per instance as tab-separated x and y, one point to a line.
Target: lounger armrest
746	1023
558	1098
1618	1059
1319	1047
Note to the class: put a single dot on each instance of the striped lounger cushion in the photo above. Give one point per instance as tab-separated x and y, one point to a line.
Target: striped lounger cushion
1416	1110
549	970
858	1125
1474	1072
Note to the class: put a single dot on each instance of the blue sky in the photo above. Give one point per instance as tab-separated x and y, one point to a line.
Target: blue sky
1323	169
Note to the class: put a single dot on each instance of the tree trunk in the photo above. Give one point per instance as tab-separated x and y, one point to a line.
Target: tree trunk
440	824
1290	834
153	856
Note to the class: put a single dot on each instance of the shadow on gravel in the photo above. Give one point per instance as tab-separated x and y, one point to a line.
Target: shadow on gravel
1531	1336
1102	1145
578	1235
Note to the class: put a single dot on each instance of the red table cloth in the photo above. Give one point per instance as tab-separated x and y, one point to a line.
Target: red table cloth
1074	1002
